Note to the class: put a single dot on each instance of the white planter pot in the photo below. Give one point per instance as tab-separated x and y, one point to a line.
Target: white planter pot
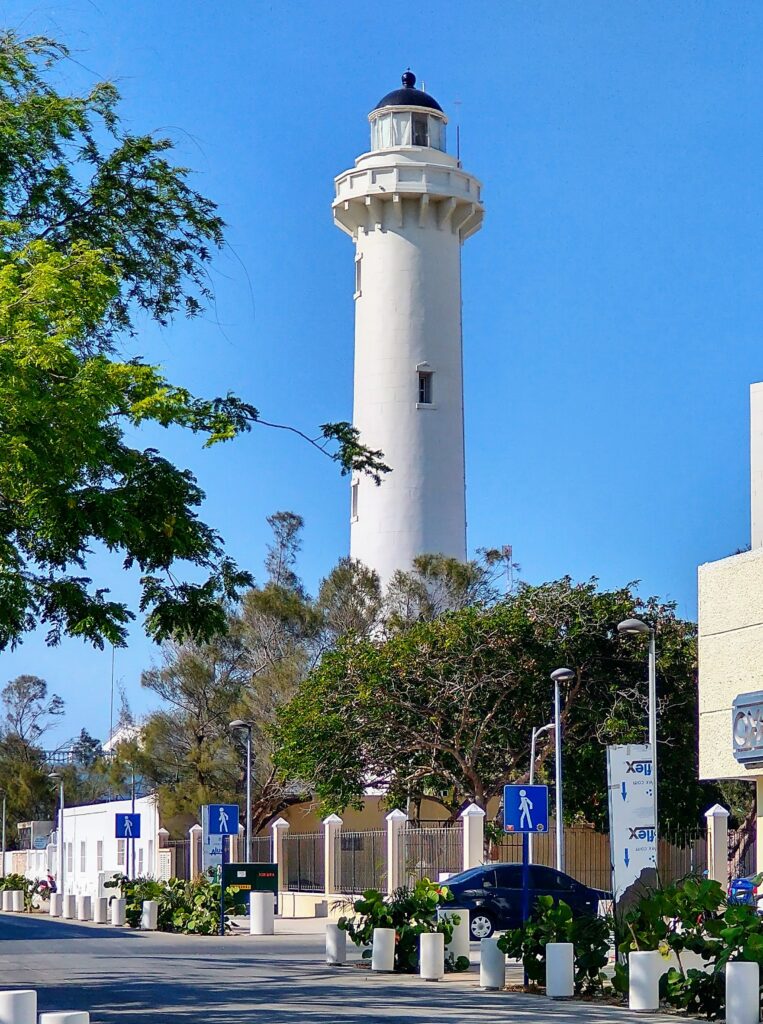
101	909
17	901
742	993
84	908
560	970
492	966
18	1007
261	913
118	912
459	943
431	956
70	908
56	904
7	901
336	945
645	970
383	950
149	917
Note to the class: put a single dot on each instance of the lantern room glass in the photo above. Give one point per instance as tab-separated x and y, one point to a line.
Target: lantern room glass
395	128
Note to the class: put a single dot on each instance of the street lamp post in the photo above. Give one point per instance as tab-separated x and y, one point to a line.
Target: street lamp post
54	776
558	676
632	627
239	723
5	797
535	734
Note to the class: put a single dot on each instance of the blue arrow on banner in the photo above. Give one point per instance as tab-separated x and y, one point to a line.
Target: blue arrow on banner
623	790
627	858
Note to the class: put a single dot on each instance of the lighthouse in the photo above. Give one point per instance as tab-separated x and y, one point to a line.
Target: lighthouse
408	206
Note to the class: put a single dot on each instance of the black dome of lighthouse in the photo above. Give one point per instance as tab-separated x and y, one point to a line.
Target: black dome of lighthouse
408	96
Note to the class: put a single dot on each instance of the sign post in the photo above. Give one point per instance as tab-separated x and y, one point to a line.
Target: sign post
525	810
222	821
632	805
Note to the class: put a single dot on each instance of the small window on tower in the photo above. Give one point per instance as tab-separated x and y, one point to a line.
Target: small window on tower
354	500
425	388
358	261
420	130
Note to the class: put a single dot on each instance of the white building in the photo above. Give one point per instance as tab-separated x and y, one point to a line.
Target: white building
408	206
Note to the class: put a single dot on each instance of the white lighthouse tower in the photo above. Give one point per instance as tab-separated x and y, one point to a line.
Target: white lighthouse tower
408	206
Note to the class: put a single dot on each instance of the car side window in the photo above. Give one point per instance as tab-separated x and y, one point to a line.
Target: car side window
548	878
509	877
488	879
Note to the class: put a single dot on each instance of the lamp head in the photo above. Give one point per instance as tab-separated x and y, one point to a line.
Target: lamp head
562	675
633	626
54	775
239	723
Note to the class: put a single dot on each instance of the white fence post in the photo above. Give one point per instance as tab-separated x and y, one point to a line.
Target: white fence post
395	824
194	859
332	827
473	818
280	829
718	844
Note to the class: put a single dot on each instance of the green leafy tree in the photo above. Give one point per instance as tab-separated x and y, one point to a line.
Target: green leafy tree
29	711
446	707
99	227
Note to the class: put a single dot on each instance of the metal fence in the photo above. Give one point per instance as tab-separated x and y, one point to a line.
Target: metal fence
429	852
360	861
261	850
304	862
180	851
682	853
742	852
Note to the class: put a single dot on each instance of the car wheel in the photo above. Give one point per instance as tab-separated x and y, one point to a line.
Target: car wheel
481	925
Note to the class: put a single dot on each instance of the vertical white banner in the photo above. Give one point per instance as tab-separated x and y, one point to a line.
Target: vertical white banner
632	807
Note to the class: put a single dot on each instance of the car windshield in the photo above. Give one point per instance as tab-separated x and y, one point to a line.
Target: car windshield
465	876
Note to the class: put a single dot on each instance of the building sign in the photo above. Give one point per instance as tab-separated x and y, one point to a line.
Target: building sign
747	727
632	806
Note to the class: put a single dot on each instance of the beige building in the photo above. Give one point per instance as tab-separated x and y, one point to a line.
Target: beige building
731	648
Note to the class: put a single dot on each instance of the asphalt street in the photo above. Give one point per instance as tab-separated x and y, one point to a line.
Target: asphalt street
124	976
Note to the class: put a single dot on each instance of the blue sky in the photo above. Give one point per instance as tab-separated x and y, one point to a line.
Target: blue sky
612	301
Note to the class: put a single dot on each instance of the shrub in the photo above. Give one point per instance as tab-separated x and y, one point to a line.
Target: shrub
14	881
552	922
190	908
411	912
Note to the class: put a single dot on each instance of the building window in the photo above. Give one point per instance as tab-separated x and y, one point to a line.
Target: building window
420	130
99	855
83	857
121	847
69	858
150	856
140	862
358	261
354	501
425	388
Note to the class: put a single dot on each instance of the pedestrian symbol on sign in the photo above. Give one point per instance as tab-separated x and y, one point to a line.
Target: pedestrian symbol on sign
525	806
223	823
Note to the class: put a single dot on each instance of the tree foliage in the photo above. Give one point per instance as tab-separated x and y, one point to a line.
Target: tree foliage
100	228
445	708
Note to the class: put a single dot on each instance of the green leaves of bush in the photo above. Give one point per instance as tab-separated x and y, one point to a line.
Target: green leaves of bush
189	908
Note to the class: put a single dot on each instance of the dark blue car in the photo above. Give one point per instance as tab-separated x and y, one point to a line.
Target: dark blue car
493	895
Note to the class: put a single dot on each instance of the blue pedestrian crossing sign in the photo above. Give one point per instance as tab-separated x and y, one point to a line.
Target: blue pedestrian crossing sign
128	826
223	819
525	808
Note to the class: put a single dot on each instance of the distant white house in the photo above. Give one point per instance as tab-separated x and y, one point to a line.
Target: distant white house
124	734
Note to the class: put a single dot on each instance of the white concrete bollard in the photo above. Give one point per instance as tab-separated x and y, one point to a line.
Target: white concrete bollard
56	904
70	908
17	901
459	943
383	950
65	1017
560	970
431	956
7	901
18	1007
101	909
261	909
336	945
149	917
742	993
84	908
645	969
492	966
118	912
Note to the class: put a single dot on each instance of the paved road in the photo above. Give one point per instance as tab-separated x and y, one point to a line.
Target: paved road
122	977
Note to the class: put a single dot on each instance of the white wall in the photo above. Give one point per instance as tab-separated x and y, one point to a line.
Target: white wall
87	827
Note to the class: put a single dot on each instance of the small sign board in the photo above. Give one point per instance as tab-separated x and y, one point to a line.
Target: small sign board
525	809
223	819
632	808
241	879
127	826
40	842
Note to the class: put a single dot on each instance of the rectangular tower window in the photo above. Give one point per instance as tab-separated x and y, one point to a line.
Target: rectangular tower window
425	388
354	501
420	130
358	261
